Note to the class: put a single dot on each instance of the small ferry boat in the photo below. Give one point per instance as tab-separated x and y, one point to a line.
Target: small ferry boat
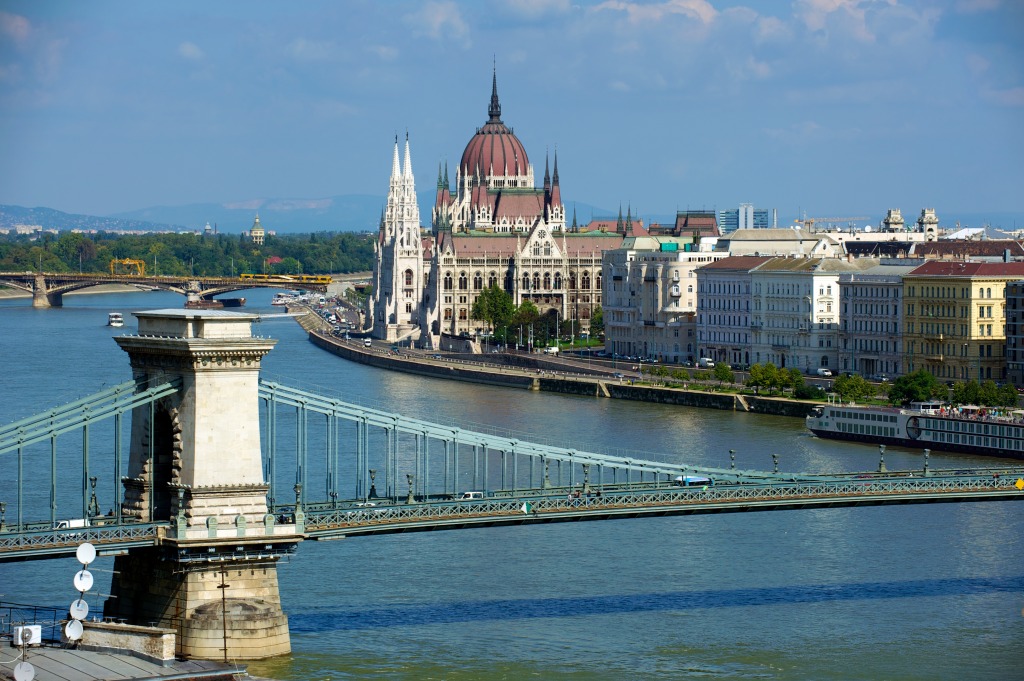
115	319
925	425
283	299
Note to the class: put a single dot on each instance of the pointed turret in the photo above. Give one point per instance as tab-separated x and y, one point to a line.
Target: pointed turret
407	164
618	225
395	168
556	193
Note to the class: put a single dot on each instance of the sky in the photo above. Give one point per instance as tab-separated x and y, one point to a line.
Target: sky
813	107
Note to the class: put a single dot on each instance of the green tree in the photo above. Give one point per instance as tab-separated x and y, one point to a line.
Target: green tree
966	392
852	388
919	386
525	315
495	306
795	379
723	373
756	378
597	323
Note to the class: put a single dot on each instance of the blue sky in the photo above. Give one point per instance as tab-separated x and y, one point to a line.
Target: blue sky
830	107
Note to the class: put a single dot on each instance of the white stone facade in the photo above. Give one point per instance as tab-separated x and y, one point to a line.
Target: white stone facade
398	278
795	312
650	294
724	330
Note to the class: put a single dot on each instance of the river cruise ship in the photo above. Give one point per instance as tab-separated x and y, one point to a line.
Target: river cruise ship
925	425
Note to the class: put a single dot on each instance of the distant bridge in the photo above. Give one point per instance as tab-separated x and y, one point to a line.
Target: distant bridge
48	288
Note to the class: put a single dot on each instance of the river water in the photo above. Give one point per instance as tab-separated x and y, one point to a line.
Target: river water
915	592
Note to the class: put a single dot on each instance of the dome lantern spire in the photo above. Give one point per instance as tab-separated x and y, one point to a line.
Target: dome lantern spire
494	110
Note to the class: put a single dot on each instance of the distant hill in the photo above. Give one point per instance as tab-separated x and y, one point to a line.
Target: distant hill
48	218
349	213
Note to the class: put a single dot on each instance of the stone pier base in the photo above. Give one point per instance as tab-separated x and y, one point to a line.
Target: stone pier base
151	588
40	298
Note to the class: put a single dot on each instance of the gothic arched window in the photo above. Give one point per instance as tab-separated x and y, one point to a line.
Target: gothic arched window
463	282
448	281
478	281
536	280
558	281
547	281
492	279
408	277
585	282
526	281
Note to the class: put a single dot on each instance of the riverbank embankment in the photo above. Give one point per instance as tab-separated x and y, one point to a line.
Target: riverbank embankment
516	371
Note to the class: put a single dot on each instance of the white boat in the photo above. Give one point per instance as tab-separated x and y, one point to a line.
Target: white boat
282	299
931	425
115	319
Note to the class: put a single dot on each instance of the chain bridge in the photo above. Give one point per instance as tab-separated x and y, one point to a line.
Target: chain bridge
222	469
48	288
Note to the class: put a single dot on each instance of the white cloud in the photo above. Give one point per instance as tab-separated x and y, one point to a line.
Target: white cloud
310	50
637	13
440	20
771	30
15	27
977	64
384	52
190	51
535	9
1008	97
818	15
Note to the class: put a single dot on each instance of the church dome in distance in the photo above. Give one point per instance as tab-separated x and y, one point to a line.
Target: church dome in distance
494	149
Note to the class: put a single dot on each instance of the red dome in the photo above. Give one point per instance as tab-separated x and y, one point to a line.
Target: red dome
494	148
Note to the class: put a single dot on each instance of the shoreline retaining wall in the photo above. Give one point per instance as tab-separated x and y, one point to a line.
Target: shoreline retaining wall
584	387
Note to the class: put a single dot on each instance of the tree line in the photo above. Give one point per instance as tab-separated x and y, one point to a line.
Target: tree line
508	322
201	255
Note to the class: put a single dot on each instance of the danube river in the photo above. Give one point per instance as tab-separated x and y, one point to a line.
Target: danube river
917	592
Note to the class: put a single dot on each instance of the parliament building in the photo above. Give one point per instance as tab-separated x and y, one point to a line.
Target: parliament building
493	225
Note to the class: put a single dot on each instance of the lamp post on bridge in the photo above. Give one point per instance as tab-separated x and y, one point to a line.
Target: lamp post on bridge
411	499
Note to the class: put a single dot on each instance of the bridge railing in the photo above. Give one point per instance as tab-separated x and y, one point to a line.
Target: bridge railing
543	502
28	543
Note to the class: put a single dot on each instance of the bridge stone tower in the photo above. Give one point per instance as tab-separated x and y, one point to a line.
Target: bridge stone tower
195	460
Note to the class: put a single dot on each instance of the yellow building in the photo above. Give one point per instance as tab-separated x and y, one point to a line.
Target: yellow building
955	319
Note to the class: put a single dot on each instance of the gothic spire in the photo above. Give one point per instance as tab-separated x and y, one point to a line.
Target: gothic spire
547	174
395	169
494	110
555	178
408	158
